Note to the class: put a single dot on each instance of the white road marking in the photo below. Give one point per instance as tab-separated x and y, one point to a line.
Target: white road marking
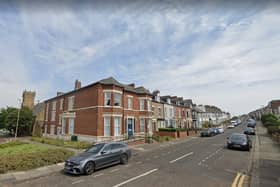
188	154
139	162
79	181
114	170
98	175
137	177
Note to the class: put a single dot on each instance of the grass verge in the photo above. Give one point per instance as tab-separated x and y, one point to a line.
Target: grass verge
19	156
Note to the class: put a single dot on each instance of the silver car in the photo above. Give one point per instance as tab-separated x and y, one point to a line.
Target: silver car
98	156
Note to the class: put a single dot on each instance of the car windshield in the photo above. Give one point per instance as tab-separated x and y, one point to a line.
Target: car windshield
249	129
238	137
95	149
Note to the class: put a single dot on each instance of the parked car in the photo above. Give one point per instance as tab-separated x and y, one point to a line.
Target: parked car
239	141
251	123
231	126
98	156
250	131
207	132
233	122
238	121
220	130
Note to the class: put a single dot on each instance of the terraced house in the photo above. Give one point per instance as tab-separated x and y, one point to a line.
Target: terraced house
104	110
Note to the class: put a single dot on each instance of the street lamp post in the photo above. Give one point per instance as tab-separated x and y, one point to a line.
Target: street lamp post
18	118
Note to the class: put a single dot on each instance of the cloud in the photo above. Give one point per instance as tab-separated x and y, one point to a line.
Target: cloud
216	53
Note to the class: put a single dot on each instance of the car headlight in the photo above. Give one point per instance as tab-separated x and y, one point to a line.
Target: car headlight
229	141
244	143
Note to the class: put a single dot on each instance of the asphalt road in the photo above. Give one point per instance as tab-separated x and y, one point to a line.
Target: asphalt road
193	162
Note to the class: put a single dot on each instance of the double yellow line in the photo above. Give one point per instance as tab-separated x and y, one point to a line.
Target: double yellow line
238	181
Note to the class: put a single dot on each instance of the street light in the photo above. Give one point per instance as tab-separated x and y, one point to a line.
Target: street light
18	118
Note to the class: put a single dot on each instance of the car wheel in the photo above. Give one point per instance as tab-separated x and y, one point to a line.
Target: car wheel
89	168
124	159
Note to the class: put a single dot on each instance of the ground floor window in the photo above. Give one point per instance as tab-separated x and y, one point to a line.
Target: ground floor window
142	125
52	129
107	126
117	126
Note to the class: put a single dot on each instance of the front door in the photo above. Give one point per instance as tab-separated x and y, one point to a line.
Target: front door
130	127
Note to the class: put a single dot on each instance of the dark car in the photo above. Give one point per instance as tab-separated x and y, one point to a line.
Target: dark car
239	141
98	156
251	123
207	132
250	131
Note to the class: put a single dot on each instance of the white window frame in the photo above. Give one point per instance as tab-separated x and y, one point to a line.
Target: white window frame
117	126
61	104
54	105
119	102
71	102
148	105
142	125
130	103
106	98
47	112
52	129
142	104
107	126
53	115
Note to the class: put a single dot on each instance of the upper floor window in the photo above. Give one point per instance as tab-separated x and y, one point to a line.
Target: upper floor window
159	111
54	105
70	103
47	112
107	99
153	109
142	104
149	105
129	103
117	99
61	104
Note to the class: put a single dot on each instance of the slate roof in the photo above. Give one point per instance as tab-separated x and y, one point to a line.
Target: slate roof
38	108
111	81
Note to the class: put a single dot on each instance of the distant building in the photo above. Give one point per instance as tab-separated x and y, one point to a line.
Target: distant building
28	99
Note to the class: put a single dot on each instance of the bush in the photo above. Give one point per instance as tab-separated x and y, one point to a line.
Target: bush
273	129
11	144
167	129
162	138
64	143
25	161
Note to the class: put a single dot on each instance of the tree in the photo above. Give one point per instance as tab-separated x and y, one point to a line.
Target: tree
8	120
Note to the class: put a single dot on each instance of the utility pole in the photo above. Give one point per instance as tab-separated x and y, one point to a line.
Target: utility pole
18	118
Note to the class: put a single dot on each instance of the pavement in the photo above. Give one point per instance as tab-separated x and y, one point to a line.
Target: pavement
266	160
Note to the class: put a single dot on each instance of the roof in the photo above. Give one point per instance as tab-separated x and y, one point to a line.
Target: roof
111	81
38	108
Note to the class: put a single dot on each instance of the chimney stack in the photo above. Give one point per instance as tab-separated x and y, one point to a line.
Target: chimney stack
78	84
132	85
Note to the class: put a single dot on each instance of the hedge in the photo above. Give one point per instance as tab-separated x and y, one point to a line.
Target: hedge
167	129
31	160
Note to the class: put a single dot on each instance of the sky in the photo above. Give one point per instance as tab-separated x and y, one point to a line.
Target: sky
213	52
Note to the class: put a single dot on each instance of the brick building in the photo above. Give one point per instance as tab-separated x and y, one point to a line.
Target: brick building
104	110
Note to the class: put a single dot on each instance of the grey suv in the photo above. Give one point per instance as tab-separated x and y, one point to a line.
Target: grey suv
98	156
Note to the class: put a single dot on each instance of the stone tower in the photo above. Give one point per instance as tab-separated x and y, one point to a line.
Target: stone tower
28	99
